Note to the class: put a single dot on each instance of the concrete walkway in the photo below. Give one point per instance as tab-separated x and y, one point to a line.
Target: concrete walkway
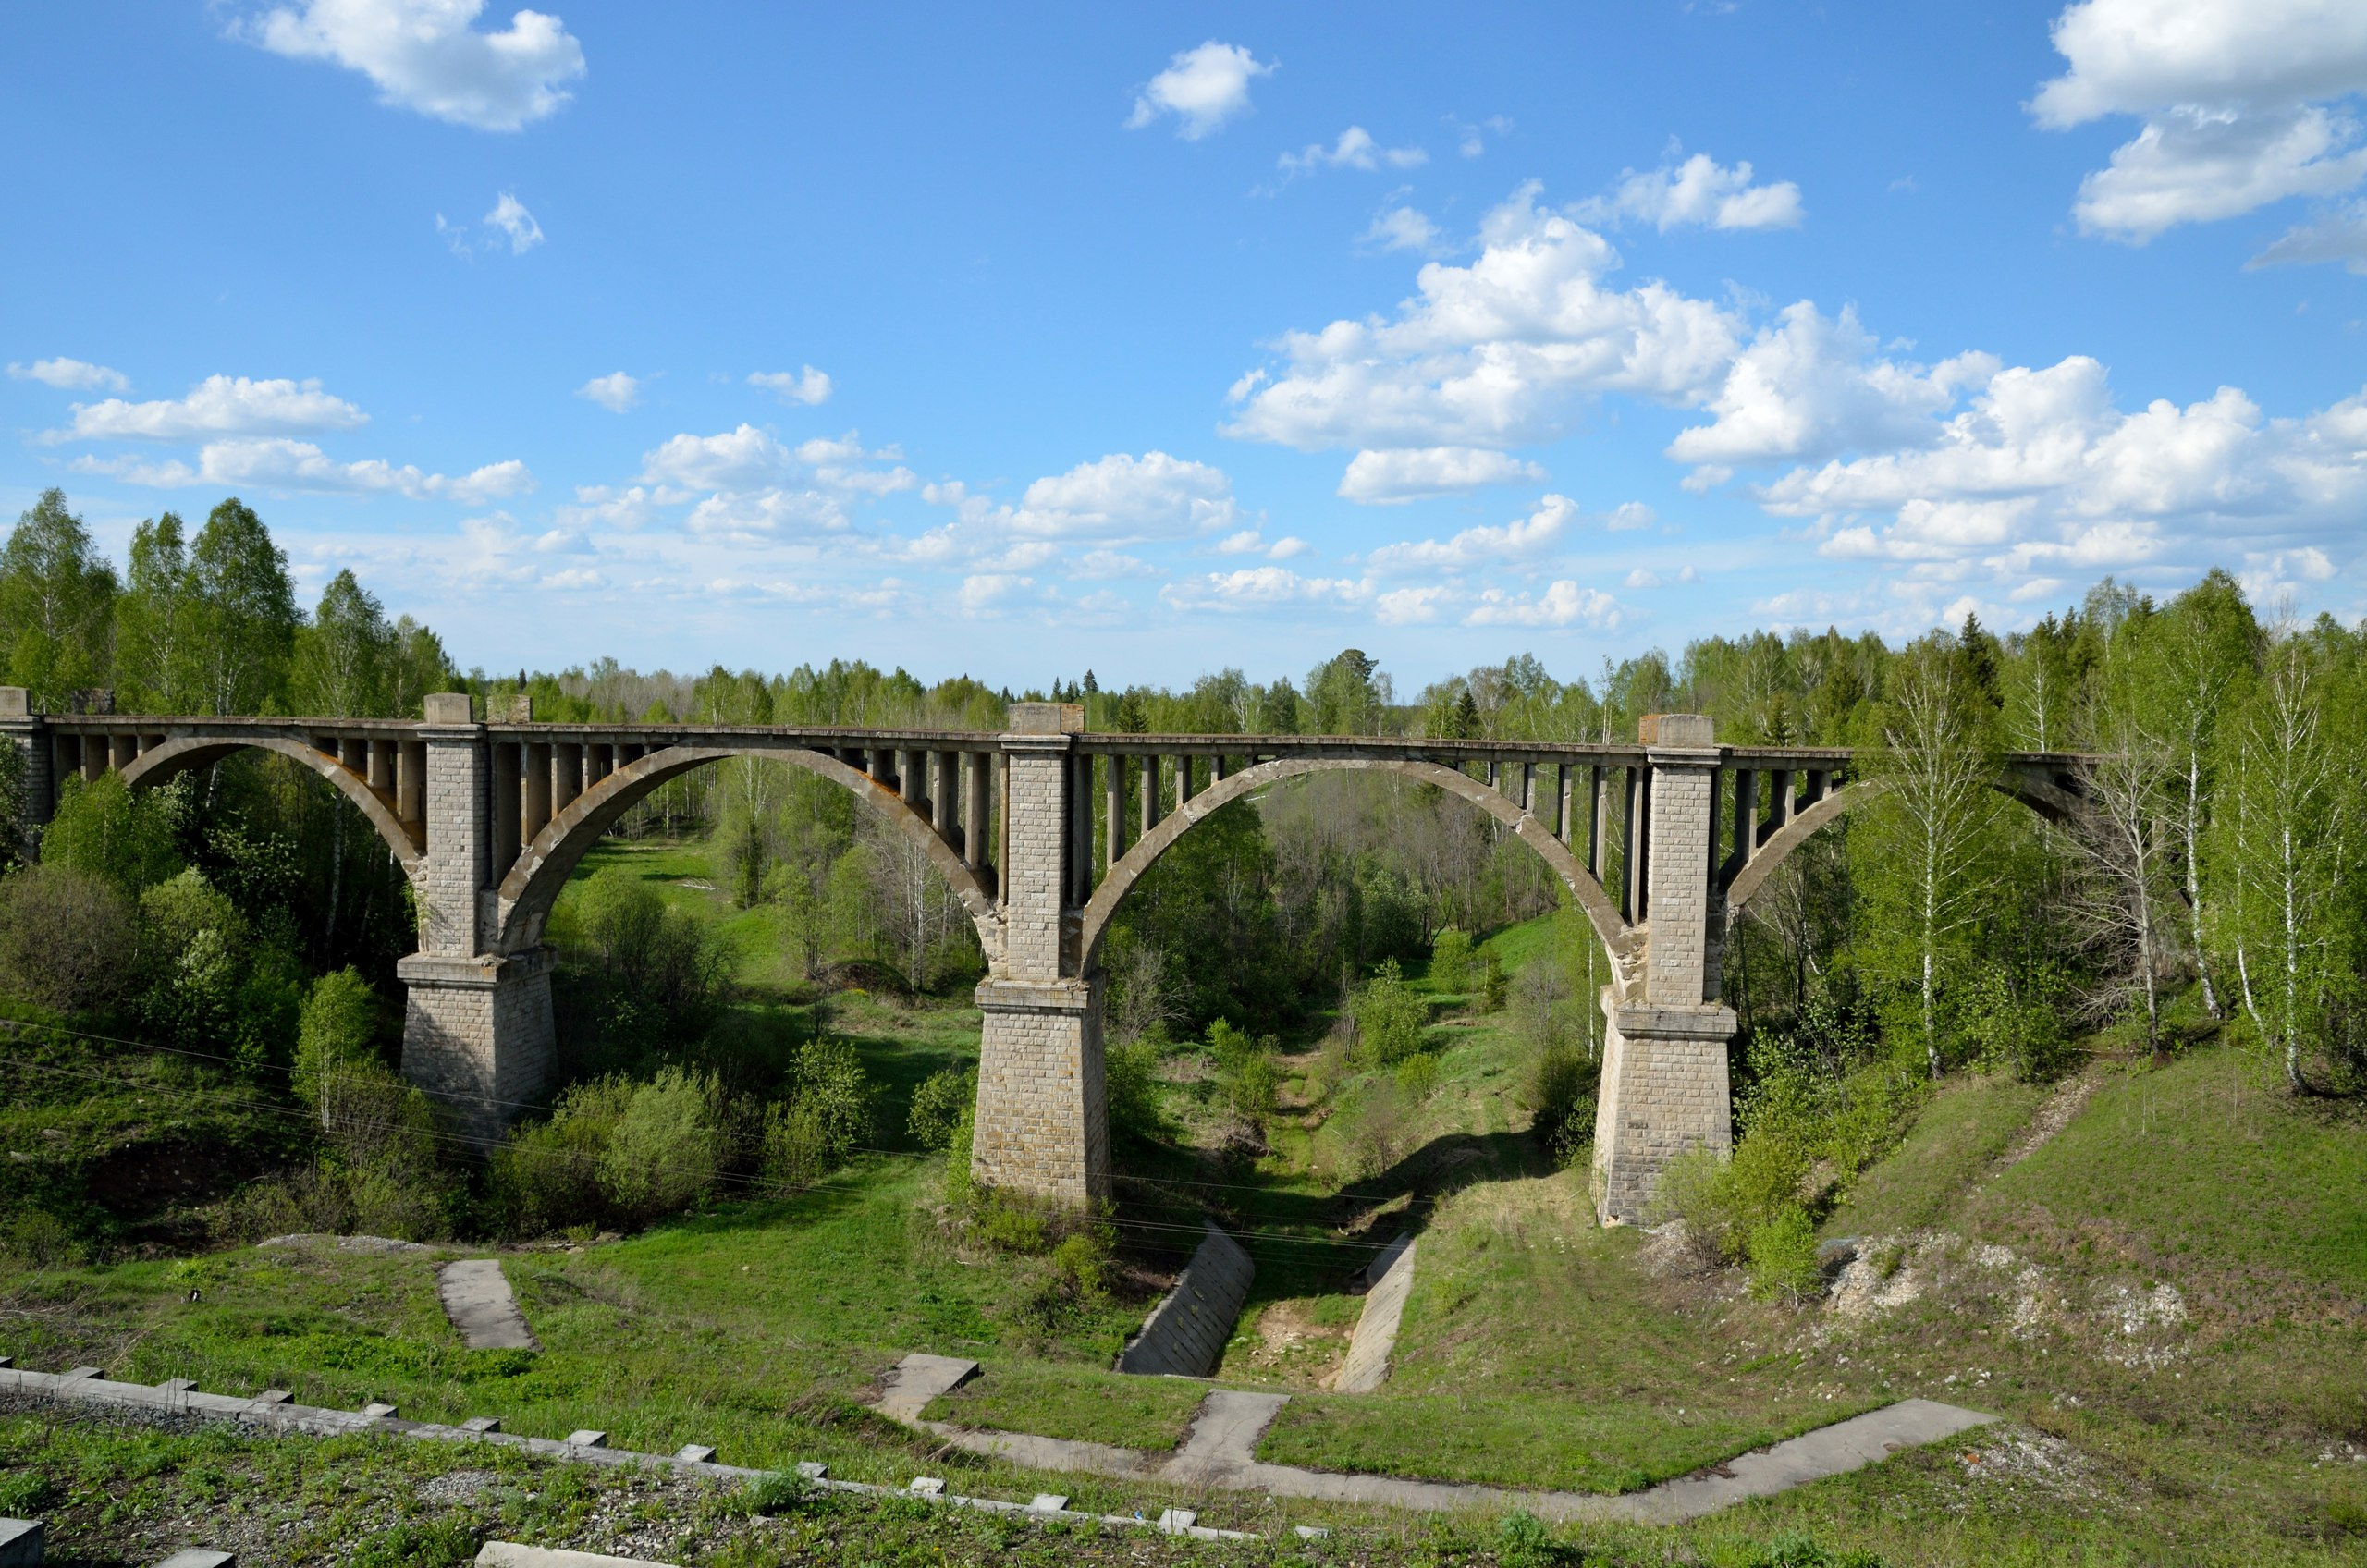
477	1297
1219	1453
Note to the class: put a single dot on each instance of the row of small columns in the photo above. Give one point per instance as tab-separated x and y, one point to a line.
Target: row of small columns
395	769
960	807
535	780
1751	831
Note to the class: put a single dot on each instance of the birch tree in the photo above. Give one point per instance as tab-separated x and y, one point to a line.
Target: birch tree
2124	842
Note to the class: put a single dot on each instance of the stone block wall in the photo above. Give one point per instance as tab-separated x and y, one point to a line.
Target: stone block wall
457	807
477	1035
1043	1121
1664	1091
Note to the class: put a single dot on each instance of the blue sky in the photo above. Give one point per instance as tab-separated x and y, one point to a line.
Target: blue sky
1153	338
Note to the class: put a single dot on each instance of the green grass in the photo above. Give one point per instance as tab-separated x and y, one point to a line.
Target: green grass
1064	1399
1960	1134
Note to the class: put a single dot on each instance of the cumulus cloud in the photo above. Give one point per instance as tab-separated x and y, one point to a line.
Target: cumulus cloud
1253	542
806	385
71	375
510	217
1201	88
1390	478
1122	496
987	592
615	392
1492	354
1356	149
760	515
1524	538
1562	604
277	463
427	56
1401	227
1260	587
1811	385
2340	237
220	405
745	459
2233	96
1697	192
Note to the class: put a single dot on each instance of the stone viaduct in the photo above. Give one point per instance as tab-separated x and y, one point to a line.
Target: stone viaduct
1040	832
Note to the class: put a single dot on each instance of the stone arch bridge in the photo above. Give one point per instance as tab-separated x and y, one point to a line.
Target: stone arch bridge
1039	832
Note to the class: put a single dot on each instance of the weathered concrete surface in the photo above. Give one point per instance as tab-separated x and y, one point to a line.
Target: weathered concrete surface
913	1382
22	1542
199	1557
477	1299
1186	1332
1829	1451
510	1554
1224	1436
1367	1366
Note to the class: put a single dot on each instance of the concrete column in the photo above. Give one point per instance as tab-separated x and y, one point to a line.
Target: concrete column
477	1031
411	786
1113	788
23	728
977	814
353	755
121	751
567	775
507	812
949	800
1042	1123
1148	795
380	771
535	802
1664	1080
913	780
94	757
1183	781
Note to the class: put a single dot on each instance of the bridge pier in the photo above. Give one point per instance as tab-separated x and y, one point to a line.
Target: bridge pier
1665	1088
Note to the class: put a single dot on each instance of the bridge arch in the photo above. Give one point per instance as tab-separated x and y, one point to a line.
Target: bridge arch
531	886
1620	940
2052	794
182	755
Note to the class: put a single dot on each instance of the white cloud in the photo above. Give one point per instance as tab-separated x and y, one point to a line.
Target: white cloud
1630	515
745	459
1524	538
1469	140
574	579
1202	88
277	463
1259	587
2231	92
1401	227
2340	235
804	385
986	593
220	405
1408	606
71	375
1356	149
1252	542
615	392
1644	577
1389	478
602	506
2199	164
424	54
510	217
1492	354
1562	604
1811	385
1124	496
757	516
1698	192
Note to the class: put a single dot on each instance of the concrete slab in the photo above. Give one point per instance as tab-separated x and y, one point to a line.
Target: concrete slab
695	1454
1223	1439
918	1379
587	1438
1186	1332
1829	1451
477	1297
22	1542
482	1423
1388	1258
1048	1502
510	1554
199	1557
376	1409
1367	1366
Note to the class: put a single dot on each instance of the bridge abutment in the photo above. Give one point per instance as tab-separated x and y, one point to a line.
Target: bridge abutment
1664	1088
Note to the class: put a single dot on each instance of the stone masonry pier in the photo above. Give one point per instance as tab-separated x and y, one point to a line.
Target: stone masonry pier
1039	831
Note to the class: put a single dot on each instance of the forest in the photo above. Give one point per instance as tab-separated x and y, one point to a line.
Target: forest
235	933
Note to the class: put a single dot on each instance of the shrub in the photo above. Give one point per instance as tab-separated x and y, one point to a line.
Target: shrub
1561	1100
103	829
938	1105
797	1150
337	1030
829	1077
1451	960
1783	1257
959	1190
38	1237
1766	1174
1524	1541
1245	1069
1418	1076
1494	984
1130	1083
66	938
1390	1018
547	1177
663	1156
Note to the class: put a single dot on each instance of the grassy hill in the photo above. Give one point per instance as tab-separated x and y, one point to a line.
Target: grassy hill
2159	1276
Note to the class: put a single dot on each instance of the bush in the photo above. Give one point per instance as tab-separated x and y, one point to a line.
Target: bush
1390	1018
66	938
959	1190
1783	1257
797	1150
663	1156
547	1177
337	1031
103	829
1130	1085
1418	1076
1245	1069
1494	984
1451	960
938	1105
1561	1095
